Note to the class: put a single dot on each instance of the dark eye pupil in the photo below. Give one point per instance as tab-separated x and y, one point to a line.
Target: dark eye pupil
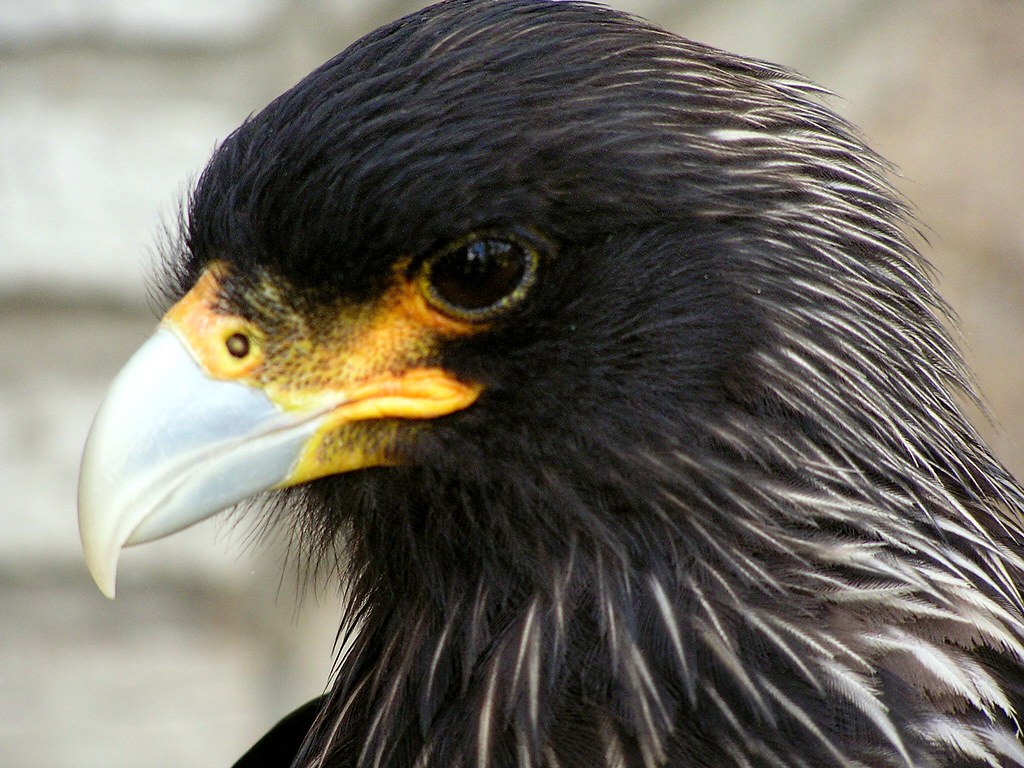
480	274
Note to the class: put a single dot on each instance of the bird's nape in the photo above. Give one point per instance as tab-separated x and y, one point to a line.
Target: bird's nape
609	364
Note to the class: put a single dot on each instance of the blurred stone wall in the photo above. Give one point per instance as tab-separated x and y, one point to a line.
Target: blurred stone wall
109	108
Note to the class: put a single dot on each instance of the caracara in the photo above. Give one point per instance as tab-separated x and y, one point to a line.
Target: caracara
599	367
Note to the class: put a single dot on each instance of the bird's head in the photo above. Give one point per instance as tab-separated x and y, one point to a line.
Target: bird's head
477	254
507	278
607	356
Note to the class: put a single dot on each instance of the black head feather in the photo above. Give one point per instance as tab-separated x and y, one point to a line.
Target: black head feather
718	505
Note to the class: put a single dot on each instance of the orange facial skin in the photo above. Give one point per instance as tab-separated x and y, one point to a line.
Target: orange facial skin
367	363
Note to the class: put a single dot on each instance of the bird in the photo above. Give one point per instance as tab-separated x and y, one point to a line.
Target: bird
603	373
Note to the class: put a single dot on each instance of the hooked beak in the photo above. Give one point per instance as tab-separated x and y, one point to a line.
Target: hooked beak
208	412
193	447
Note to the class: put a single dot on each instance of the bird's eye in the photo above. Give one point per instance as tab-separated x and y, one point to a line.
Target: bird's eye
479	277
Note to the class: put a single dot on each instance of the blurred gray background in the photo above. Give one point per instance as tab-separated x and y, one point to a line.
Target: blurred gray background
109	107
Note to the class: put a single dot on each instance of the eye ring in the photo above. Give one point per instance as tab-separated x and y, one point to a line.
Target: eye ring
481	275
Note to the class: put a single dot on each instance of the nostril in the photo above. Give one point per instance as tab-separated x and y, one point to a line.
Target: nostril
238	345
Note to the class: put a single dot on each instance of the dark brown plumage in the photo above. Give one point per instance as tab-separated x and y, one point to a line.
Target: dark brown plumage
716	503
